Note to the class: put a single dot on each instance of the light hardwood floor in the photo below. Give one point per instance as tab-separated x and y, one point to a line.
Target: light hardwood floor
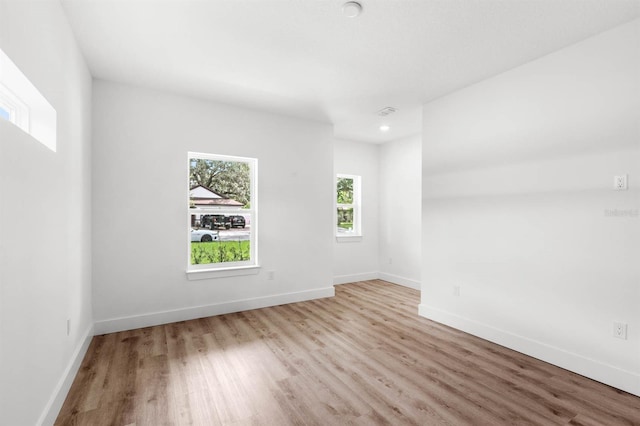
363	357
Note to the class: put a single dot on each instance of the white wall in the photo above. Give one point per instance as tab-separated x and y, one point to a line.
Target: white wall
517	181
357	259
400	253
391	199
45	232
140	144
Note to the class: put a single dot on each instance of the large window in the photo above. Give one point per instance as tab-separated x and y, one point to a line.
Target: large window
222	212
348	206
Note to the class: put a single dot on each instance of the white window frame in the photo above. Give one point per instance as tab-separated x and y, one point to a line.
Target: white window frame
356	232
225	269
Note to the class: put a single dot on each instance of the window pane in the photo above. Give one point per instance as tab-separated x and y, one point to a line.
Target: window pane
221	239
345	218
345	190
4	114
219	184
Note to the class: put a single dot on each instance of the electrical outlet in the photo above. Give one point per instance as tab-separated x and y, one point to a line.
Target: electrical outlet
456	290
620	330
271	275
390	260
620	183
68	326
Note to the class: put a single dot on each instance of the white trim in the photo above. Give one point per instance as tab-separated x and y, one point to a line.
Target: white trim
166	317
52	409
366	276
348	238
353	278
395	279
206	274
625	380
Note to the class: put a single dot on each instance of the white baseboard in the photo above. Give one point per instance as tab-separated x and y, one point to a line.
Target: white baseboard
395	279
596	370
52	409
166	317
353	278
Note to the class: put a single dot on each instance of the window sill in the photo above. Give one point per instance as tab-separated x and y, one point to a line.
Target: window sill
206	274
348	238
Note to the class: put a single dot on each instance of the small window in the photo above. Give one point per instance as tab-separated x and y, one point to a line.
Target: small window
348	211
222	212
23	105
13	109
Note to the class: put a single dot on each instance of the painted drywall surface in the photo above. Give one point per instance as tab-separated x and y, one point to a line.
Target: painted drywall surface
45	268
140	144
400	210
519	211
355	260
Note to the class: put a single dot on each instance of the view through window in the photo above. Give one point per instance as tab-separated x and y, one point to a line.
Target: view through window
348	205
222	212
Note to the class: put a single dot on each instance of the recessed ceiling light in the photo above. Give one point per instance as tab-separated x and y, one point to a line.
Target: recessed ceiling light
384	128
351	9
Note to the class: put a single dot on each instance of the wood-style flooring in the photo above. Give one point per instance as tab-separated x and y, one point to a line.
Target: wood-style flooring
363	357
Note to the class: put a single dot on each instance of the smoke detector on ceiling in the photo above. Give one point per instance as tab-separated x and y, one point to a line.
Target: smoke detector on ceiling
351	9
386	111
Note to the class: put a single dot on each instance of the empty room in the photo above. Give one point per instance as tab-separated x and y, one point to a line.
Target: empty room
319	212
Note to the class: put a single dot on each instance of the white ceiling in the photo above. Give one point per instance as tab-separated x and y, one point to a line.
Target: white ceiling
304	58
